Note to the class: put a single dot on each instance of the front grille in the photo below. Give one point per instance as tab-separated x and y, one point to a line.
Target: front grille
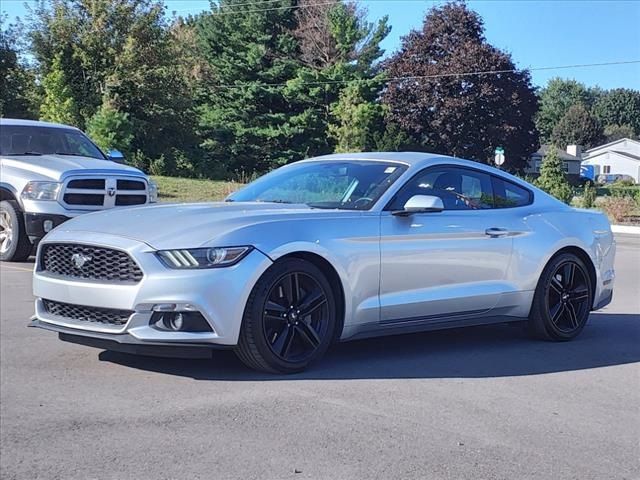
87	262
107	192
83	199
106	316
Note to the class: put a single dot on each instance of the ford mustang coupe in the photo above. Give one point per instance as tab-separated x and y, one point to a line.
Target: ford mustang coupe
328	249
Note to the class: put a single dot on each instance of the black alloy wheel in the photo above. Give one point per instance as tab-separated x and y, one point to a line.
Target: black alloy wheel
289	320
562	301
295	317
567	297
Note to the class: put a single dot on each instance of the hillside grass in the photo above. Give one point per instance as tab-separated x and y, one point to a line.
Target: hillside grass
174	189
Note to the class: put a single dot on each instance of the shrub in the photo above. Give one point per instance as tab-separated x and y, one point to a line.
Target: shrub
588	196
552	179
618	208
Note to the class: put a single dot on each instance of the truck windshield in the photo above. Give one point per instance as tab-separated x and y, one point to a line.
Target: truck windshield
44	140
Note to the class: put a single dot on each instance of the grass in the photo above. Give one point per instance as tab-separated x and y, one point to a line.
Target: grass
174	189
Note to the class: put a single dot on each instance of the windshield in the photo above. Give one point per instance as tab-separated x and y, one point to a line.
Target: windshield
347	185
40	140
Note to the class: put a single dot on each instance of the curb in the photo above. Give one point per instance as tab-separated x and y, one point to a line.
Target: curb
631	229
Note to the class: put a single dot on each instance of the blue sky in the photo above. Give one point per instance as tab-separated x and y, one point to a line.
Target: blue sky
539	33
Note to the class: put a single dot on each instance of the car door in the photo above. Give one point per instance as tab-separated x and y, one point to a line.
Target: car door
449	263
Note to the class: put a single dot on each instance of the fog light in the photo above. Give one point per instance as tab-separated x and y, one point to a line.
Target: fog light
177	321
47	226
180	322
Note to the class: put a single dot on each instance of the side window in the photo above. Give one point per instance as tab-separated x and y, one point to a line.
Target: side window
508	195
459	188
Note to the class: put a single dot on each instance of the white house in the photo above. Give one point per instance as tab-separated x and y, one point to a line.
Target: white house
570	161
619	157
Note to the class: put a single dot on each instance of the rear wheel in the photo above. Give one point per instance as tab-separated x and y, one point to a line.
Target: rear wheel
289	319
14	243
562	300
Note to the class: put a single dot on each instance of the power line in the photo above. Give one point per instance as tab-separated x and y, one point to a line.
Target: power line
438	75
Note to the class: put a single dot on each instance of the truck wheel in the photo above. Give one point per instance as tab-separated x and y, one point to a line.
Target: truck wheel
14	243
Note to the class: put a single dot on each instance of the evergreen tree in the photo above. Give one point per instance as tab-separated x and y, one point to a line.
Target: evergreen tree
552	178
111	129
577	127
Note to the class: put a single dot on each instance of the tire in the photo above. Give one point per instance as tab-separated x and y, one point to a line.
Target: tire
562	300
289	320
14	243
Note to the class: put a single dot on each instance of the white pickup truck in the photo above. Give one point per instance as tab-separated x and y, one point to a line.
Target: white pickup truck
50	173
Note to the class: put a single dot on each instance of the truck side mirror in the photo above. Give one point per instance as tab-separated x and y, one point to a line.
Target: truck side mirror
115	156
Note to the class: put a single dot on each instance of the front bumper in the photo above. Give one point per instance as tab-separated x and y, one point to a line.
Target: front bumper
218	294
34	224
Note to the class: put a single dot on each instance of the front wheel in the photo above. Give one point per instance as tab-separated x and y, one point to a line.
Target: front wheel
14	243
562	300
289	319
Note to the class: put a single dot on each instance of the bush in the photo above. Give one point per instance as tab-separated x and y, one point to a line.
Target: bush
618	208
588	196
111	130
552	179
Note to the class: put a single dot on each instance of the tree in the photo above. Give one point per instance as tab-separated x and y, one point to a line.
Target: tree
123	50
444	109
616	132
276	77
58	104
620	106
556	99
577	127
552	179
17	82
111	129
357	118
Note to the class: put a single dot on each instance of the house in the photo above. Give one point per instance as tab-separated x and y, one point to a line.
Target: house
571	159
621	157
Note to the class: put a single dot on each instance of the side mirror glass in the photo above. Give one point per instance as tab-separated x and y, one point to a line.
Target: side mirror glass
421	204
115	156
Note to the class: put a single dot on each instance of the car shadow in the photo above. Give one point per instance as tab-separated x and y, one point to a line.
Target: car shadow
475	352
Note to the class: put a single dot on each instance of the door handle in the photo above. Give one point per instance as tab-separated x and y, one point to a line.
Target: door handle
495	232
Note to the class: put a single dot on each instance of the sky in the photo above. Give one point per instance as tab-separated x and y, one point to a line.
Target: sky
537	33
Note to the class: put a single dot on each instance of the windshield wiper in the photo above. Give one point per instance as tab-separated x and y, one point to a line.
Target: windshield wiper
23	153
75	155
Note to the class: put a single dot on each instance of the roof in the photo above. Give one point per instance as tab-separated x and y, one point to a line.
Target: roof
627	154
544	149
31	123
410	158
607	145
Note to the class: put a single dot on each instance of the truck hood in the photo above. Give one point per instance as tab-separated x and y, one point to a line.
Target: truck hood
193	225
57	167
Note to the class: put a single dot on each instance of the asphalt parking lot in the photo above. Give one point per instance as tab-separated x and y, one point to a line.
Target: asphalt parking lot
483	402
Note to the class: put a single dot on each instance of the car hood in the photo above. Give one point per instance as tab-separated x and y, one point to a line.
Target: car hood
168	226
57	167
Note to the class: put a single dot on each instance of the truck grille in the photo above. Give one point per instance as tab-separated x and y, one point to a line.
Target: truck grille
100	193
106	316
87	262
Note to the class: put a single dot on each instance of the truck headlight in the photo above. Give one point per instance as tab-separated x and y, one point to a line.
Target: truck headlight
203	257
41	191
153	192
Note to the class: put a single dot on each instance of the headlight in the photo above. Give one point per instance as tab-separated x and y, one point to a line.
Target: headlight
41	191
203	257
153	192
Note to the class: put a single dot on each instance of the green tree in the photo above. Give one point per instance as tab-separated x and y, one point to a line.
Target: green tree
463	115
620	106
58	104
111	129
552	178
17	82
357	118
555	100
616	132
577	127
589	195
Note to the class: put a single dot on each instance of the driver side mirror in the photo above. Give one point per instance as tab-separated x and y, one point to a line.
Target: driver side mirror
420	204
115	156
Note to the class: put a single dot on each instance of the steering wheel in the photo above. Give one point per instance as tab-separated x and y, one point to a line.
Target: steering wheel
364	201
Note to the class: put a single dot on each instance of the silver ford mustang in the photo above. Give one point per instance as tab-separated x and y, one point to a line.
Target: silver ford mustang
328	249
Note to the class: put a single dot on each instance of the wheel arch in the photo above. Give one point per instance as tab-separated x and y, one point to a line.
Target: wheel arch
8	193
334	280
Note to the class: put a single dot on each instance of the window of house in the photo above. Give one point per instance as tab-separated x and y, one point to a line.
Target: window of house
606	169
565	167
